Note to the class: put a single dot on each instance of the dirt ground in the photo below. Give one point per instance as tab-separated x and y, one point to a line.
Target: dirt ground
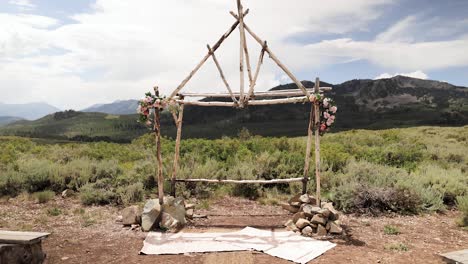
91	235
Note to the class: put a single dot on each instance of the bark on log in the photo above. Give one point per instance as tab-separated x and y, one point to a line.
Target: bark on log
222	74
241	53
215	47
157	134
317	144
290	100
275	93
177	150
274	58
257	71
242	181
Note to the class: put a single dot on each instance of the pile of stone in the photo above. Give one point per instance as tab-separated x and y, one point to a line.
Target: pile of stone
171	216
310	219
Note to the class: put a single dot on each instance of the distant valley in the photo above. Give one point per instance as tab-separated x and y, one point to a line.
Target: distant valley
371	104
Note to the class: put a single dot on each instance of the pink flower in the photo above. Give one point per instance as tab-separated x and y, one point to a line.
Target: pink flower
149	99
326	115
148	123
325	102
323	127
332	117
333	109
329	122
312	98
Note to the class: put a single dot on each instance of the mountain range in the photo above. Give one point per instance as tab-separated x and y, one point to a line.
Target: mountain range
119	107
372	104
30	111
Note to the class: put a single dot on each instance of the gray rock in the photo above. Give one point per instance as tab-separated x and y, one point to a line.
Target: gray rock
312	200
318	219
189	213
310	209
295	198
304	198
290	208
325	213
189	206
119	219
301	223
321	230
335	229
291	226
67	193
130	215
307	231
175	208
151	214
298	215
169	223
296	204
334	214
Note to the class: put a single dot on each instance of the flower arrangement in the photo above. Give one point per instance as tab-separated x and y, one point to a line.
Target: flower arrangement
327	111
146	106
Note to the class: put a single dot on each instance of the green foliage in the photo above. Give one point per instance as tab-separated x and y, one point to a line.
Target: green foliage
397	247
54	211
98	193
399	170
391	230
462	203
130	194
44	196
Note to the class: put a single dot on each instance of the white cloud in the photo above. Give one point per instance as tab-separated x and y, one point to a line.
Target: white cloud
24	5
401	56
415	74
121	49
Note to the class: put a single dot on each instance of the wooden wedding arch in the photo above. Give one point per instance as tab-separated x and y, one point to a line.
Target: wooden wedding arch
242	99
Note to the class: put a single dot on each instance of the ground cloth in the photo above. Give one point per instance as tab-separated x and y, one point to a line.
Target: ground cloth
283	244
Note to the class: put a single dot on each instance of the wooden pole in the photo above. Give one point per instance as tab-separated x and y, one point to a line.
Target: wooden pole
308	148
222	74
290	100
257	71
177	150
274	58
271	93
214	48
242	181
241	54
157	133
317	143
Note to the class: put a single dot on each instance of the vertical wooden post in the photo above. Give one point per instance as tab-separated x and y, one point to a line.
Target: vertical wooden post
157	134
317	143
177	149
241	56
308	148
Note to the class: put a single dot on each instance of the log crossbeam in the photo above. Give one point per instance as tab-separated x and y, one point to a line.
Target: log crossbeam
275	93
242	181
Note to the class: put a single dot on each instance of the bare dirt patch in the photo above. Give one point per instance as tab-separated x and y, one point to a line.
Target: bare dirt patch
91	235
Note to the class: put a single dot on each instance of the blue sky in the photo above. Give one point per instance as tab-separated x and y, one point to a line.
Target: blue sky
73	54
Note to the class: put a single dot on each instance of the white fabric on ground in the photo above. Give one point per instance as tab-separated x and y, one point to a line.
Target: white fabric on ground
285	244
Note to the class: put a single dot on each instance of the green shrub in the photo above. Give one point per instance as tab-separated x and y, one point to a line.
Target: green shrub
44	196
462	203
98	193
54	211
397	247
11	182
377	200
130	194
391	230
